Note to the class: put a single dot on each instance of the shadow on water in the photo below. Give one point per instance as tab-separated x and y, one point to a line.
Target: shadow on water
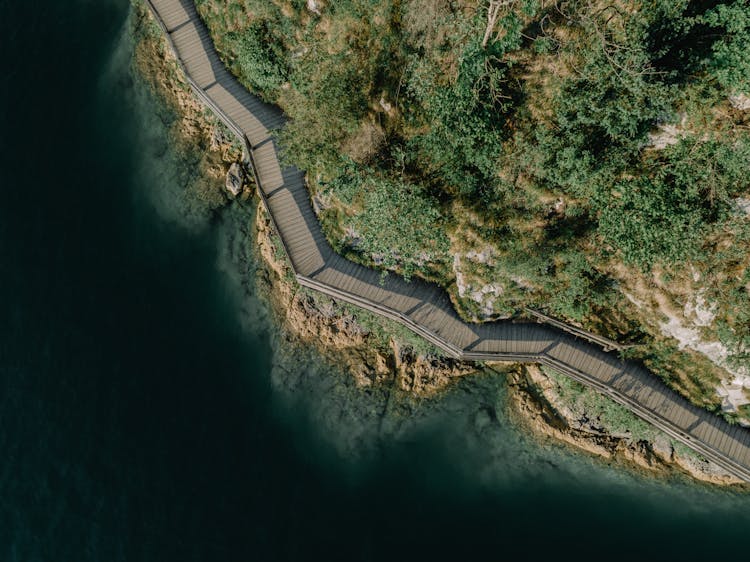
150	409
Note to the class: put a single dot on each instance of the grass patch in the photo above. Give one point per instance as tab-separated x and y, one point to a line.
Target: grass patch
615	418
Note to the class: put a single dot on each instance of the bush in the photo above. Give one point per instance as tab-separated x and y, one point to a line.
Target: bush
466	119
261	58
729	62
665	217
394	221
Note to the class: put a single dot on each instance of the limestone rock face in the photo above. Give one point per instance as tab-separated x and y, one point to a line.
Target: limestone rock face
740	101
235	179
743	205
313	6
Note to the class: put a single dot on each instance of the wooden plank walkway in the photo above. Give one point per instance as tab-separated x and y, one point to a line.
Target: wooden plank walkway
423	307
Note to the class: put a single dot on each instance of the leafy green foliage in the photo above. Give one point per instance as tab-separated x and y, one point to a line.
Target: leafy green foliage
602	114
653	218
260	57
314	138
585	287
539	146
466	121
394	222
665	217
600	409
729	61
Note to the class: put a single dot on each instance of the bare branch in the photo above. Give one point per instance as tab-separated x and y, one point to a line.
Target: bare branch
493	13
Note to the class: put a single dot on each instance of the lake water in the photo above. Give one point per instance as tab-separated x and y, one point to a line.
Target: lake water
150	409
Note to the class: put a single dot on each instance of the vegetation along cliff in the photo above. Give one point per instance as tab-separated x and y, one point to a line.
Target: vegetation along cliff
587	158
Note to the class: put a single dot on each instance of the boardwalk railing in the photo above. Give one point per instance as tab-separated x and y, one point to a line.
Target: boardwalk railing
607	344
420	306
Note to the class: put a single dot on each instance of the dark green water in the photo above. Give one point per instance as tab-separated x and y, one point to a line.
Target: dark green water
149	410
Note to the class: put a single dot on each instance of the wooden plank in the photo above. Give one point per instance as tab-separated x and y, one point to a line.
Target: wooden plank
675	414
432	318
447	326
743	435
172	14
724	441
327	274
566	352
529	339
710	434
297	239
574	352
745	456
437	319
374	292
579	361
411	289
345	268
292	234
349	282
627	380
346	278
682	417
644	395
511	339
734	445
523	337
689	416
702	430
665	402
738	437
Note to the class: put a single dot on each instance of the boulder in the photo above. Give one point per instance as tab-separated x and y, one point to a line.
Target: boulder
313	6
235	179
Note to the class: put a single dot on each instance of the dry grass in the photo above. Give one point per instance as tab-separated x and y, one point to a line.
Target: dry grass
365	144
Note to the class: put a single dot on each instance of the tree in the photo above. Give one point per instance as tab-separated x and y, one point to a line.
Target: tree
261	58
730	63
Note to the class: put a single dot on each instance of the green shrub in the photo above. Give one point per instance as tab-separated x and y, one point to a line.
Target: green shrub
394	220
729	62
613	417
665	217
261	58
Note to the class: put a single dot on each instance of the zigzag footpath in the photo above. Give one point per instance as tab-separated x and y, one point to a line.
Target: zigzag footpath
420	306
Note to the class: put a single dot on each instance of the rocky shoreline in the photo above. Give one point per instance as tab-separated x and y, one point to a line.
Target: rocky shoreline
534	401
537	404
192	128
336	330
338	334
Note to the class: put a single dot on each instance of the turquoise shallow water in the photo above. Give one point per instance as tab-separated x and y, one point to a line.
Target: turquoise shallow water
150	410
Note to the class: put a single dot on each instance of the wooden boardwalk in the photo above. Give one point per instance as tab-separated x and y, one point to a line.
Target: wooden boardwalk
423	307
